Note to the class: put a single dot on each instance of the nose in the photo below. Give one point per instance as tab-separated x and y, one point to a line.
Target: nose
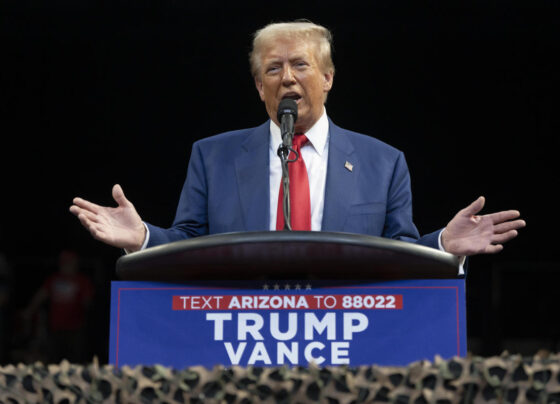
288	76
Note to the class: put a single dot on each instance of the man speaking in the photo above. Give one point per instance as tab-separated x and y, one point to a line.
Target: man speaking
342	181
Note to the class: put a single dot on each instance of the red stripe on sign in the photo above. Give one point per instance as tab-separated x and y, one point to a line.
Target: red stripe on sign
288	302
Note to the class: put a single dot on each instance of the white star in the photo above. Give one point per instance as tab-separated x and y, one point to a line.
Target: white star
287	286
265	286
308	287
276	286
298	286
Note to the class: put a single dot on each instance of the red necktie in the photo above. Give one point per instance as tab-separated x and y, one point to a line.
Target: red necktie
300	204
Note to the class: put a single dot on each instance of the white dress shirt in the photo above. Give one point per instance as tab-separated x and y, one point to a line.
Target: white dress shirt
315	154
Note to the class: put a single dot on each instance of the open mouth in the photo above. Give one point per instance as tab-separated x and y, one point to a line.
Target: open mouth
293	96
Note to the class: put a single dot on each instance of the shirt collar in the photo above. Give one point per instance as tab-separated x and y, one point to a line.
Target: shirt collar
317	135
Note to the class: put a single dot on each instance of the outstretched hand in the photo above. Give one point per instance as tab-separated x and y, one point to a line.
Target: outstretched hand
469	234
120	227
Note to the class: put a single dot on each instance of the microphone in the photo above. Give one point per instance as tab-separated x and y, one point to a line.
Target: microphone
287	116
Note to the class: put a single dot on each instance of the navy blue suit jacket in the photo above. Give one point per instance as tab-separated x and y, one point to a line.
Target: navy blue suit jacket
227	188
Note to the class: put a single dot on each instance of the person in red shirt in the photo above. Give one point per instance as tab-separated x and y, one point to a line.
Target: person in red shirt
68	293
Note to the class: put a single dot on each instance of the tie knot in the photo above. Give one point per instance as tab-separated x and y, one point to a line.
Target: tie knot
299	140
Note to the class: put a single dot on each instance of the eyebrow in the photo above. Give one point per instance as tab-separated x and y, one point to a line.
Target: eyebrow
277	59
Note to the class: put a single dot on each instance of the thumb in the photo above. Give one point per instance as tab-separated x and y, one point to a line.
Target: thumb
118	195
475	207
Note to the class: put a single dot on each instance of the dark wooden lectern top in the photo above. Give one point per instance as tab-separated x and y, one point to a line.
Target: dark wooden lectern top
287	255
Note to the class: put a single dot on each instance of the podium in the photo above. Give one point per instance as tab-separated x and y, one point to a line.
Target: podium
286	298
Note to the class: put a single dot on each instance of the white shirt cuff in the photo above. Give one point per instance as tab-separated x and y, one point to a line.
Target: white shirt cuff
462	259
146	240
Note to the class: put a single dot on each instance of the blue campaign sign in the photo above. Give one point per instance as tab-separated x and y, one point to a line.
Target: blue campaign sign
286	323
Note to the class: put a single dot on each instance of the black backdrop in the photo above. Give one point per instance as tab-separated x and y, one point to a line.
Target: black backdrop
102	92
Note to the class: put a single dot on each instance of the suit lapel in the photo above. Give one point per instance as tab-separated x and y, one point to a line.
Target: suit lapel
252	173
341	180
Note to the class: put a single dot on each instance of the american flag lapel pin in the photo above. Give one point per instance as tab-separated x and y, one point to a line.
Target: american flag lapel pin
348	166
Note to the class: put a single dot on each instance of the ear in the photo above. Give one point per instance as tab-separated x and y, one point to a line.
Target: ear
328	81
259	85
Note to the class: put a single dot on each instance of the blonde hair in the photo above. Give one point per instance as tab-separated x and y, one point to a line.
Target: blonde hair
299	29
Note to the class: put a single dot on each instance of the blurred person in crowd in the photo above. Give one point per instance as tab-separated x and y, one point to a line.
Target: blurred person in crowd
68	293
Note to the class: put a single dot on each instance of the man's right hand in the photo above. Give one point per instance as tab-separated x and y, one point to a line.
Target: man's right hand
120	227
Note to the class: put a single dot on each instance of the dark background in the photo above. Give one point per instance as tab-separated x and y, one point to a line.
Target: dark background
102	92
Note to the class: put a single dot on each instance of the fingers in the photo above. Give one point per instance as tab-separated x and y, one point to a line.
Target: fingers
91	217
500	217
75	210
87	205
504	237
510	225
86	218
493	248
91	223
504	233
118	195
474	207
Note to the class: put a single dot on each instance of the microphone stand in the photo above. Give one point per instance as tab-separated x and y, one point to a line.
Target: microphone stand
283	152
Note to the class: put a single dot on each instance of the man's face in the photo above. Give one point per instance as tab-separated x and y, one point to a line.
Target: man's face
289	69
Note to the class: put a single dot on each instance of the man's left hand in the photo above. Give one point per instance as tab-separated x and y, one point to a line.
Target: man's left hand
470	234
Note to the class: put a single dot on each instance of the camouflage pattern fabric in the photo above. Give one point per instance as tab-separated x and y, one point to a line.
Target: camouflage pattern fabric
503	379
